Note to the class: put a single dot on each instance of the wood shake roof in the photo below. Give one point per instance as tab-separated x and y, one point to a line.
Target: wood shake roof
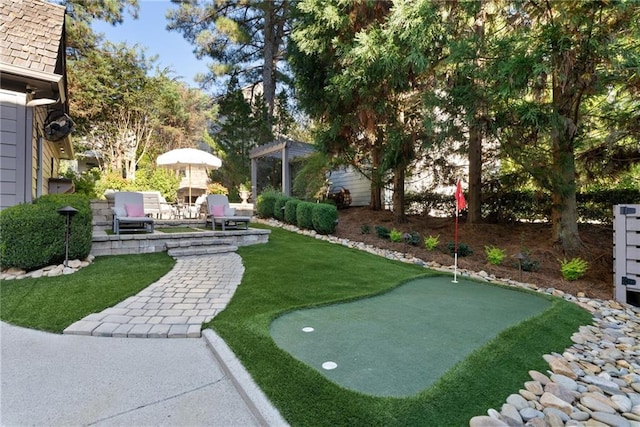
30	33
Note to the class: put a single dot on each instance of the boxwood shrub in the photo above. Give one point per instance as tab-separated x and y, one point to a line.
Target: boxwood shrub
324	218
265	203
290	211
278	207
33	234
304	215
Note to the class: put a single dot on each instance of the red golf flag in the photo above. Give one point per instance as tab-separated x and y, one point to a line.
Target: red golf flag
461	202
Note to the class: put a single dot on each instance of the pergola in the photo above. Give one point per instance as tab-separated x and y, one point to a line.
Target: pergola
283	148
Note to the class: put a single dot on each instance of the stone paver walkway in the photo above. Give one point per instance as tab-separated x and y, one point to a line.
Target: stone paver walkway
193	292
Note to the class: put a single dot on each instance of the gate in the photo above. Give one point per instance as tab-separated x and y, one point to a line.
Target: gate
626	253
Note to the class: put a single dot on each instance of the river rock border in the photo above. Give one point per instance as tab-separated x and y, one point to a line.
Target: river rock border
48	271
595	382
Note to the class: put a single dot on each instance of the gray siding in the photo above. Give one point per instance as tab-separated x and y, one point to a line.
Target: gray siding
359	187
14	173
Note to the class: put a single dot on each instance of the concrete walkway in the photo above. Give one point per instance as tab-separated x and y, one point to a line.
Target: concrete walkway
193	292
69	380
57	380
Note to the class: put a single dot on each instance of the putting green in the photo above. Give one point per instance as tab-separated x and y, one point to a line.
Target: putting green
401	342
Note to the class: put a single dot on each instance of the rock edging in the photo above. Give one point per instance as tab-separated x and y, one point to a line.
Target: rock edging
48	271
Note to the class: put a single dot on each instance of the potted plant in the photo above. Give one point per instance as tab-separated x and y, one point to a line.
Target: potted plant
244	189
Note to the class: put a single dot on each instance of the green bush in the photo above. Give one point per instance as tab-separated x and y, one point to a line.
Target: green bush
324	218
265	203
412	238
382	232
84	183
279	206
574	269
494	255
365	229
304	215
395	236
502	204
431	242
463	249
33	234
290	211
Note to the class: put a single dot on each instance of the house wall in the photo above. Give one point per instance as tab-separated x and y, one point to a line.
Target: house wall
50	158
24	168
359	187
15	173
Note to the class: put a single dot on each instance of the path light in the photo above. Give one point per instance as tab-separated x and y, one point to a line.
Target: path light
521	257
67	211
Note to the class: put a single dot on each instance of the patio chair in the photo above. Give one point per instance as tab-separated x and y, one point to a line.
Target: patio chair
128	213
196	211
156	206
219	212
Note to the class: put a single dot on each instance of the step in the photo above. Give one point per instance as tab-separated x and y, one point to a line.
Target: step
201	250
212	241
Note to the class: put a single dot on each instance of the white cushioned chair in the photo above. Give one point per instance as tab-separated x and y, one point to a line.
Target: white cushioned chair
219	212
128	213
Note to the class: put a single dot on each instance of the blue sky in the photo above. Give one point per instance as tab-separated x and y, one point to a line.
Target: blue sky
149	31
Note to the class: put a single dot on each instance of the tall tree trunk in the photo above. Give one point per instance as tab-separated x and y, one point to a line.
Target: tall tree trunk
269	55
474	213
376	187
564	213
476	132
399	173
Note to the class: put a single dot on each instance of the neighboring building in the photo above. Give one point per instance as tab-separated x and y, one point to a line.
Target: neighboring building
32	88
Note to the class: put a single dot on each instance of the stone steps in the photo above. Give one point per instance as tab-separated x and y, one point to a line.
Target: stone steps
200	247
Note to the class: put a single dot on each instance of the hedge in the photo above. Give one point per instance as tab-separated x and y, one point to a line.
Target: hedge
324	218
509	206
33	235
278	207
265	204
290	211
304	215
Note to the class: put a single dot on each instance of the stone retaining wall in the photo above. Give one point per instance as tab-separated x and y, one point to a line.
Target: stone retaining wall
105	244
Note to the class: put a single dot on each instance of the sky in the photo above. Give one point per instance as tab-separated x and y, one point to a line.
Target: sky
149	31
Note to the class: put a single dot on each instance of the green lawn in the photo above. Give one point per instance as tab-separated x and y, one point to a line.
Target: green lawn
53	303
294	271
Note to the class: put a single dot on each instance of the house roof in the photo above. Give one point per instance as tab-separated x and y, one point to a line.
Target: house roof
275	148
31	34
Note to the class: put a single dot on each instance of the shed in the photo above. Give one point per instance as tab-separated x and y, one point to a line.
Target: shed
284	149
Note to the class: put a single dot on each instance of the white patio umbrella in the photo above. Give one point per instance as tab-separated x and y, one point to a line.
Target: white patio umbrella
187	158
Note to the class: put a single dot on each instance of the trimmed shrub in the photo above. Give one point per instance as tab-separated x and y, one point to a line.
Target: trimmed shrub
325	218
304	215
290	211
265	203
463	249
278	207
33	234
382	232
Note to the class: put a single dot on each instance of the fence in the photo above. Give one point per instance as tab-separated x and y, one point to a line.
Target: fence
626	253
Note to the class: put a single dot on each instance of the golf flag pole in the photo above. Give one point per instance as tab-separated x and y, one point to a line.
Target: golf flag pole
461	203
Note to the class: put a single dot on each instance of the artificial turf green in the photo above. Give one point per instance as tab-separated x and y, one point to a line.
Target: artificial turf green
401	342
53	303
293	272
